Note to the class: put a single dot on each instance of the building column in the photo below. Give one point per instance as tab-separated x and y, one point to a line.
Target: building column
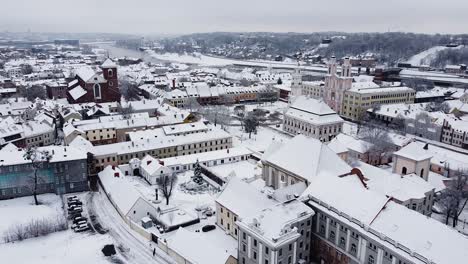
273	257
260	252
337	235
294	251
249	246
379	256
317	225
327	228
348	238
362	249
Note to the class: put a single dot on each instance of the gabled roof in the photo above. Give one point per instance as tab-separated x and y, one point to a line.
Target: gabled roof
150	164
77	92
85	73
108	63
414	151
307	158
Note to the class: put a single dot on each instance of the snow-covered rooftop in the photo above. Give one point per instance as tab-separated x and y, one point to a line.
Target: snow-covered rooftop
307	158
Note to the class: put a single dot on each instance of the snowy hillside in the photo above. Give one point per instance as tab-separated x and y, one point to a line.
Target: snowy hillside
427	56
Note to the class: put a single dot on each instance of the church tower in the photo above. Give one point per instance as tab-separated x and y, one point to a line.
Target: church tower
346	68
296	83
109	72
336	85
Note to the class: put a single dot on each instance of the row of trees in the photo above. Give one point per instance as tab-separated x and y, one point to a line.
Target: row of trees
35	228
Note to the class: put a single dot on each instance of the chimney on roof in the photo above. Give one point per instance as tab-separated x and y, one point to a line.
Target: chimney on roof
426	147
113	167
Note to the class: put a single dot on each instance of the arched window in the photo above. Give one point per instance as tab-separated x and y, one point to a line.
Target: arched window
110	72
403	170
97	91
370	260
422	173
353	248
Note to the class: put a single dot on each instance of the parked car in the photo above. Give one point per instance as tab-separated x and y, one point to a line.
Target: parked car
79	224
81	228
208	228
75	210
69	198
73	206
79	218
73	215
74	202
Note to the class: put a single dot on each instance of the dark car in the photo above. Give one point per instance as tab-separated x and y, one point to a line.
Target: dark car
79	219
208	228
74	202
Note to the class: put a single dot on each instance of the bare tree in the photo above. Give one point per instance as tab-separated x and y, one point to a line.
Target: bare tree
438	107
455	197
129	90
166	184
245	82
250	124
37	159
218	114
33	92
192	104
379	140
125	111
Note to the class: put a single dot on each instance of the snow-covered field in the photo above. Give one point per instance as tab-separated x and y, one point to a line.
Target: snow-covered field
60	247
23	210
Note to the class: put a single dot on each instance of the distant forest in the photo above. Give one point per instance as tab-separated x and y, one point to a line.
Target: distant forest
451	57
388	48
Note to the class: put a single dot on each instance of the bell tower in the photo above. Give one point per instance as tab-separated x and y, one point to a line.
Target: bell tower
296	83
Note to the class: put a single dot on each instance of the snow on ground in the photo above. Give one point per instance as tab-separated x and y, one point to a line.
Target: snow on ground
195	59
60	247
427	56
185	201
204	60
258	142
23	210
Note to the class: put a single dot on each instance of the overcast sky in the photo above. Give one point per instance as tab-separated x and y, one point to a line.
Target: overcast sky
187	16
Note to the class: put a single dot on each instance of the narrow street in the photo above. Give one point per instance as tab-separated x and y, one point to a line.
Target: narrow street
132	247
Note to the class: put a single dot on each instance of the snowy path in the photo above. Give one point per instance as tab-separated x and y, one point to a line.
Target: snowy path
136	249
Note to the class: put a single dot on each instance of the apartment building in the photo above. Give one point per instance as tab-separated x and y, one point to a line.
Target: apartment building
455	132
278	234
363	96
312	118
65	172
345	233
168	146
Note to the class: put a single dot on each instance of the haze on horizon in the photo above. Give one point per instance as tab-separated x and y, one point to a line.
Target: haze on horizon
178	16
